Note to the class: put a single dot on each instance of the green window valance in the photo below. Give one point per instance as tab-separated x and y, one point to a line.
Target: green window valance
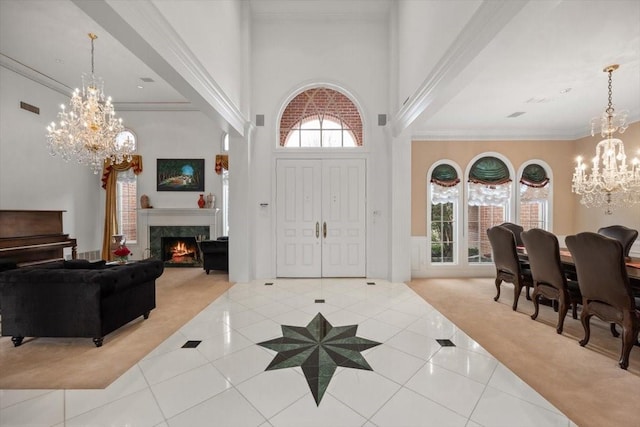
444	175
489	171
534	175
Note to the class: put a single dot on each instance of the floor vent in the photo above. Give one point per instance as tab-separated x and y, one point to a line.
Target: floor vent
191	344
268	284
446	343
319	301
371	283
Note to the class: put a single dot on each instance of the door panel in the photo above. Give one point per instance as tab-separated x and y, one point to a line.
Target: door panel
298	203
321	218
343	210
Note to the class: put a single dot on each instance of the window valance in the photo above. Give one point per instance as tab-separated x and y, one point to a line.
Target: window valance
489	171
444	175
534	175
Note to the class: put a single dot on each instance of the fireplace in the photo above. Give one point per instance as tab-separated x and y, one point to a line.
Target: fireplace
179	251
157	233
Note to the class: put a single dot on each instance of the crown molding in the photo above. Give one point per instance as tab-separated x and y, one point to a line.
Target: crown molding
34	75
50	83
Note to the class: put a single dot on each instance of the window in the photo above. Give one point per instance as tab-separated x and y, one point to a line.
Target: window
225	189
534	197
126	196
321	118
488	200
444	188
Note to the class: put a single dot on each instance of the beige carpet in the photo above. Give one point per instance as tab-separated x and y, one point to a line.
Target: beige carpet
585	383
76	363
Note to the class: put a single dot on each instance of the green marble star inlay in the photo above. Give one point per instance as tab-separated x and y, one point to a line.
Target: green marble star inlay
319	348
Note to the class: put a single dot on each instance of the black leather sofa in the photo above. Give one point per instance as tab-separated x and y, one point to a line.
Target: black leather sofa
76	298
215	254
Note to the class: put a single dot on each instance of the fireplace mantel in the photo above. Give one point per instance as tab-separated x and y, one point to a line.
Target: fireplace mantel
159	212
176	217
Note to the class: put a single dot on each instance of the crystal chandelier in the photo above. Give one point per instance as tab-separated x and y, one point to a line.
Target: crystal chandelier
88	130
614	183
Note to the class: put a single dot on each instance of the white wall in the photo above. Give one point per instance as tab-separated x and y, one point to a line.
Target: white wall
219	46
30	178
175	134
286	56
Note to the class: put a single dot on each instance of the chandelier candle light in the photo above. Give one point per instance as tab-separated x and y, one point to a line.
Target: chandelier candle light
616	183
88	131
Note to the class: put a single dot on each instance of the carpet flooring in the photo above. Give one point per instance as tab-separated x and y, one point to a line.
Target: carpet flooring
585	383
76	363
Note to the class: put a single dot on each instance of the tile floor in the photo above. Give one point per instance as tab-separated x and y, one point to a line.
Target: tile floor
222	381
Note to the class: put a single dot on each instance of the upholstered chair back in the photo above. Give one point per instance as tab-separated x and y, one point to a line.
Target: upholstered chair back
623	234
601	269
503	247
543	251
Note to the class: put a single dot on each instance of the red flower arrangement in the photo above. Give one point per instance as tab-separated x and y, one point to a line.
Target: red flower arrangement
122	253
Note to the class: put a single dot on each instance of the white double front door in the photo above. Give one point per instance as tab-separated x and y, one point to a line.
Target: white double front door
321	221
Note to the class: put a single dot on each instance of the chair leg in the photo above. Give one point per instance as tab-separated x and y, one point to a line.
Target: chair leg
528	296
585	318
564	308
574	310
517	290
628	339
498	281
536	303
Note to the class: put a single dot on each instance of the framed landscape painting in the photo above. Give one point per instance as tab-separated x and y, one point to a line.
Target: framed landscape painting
180	175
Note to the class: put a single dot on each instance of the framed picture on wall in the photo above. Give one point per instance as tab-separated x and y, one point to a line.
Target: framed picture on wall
180	175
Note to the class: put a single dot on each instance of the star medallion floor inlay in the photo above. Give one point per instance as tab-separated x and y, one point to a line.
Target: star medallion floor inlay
319	348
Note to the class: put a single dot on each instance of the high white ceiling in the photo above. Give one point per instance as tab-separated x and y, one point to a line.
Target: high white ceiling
547	48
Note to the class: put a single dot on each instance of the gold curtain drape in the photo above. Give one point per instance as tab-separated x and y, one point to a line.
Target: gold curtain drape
109	184
222	162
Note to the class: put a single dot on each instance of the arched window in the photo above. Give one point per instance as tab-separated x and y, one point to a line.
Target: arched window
320	118
445	192
534	197
488	197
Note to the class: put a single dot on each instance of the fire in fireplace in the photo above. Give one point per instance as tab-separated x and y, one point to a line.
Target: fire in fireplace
180	251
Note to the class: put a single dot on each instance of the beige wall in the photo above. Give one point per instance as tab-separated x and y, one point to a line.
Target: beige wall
569	216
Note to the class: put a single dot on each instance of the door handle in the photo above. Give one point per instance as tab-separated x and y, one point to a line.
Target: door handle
317	229
324	230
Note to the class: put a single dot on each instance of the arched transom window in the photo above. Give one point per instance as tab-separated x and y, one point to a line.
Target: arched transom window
321	117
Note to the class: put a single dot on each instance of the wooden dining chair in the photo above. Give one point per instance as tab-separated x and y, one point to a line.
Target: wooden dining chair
605	288
505	258
623	234
549	278
516	229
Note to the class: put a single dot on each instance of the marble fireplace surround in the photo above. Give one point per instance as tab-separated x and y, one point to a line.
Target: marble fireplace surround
164	222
